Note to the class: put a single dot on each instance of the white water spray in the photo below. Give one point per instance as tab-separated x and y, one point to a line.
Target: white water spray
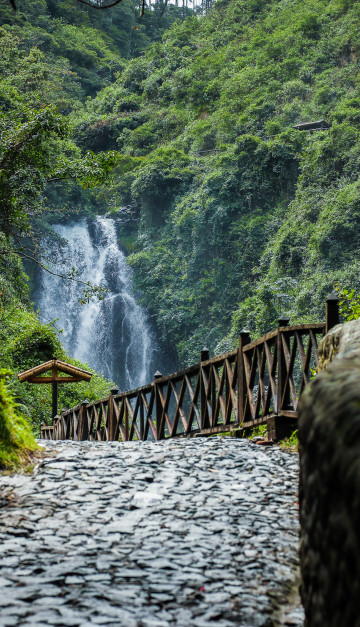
113	335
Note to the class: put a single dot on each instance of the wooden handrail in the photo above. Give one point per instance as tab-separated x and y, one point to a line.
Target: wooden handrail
259	383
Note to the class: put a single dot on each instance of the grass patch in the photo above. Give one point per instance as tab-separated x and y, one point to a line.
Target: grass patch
260	430
291	443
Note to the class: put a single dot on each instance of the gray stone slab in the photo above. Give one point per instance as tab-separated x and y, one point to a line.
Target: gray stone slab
185	532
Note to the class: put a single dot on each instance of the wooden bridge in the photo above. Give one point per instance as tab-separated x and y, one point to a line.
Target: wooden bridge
259	383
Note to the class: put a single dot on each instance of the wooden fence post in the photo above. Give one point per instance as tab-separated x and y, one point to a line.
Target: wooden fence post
65	424
244	339
282	322
113	431
56	428
204	373
142	419
280	427
158	407
54	399
332	317
83	427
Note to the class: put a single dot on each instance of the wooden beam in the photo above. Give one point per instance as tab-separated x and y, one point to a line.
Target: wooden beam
54	397
55	365
51	379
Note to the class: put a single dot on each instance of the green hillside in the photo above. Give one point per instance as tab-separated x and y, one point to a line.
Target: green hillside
88	46
236	216
241	217
53	56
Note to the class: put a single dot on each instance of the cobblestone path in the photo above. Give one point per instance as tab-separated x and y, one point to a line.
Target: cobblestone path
199	532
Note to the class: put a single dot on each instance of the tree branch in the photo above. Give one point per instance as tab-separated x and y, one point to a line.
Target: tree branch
61	276
101	7
89	4
94	6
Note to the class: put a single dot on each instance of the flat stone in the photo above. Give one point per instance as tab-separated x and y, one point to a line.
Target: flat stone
179	532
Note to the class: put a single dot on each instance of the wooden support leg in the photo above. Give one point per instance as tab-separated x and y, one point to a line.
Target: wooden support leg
280	427
54	386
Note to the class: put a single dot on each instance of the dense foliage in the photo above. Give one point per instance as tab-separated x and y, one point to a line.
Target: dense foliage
53	55
83	49
36	148
241	216
16	439
235	216
349	304
26	342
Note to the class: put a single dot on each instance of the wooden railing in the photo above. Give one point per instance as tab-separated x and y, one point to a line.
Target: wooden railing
259	383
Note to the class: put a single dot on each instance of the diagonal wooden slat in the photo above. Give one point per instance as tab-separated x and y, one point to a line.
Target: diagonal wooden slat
289	385
261	399
146	413
315	346
204	374
194	394
142	416
133	426
219	401
250	364
129	416
304	360
272	363
179	412
312	345
232	404
165	405
149	423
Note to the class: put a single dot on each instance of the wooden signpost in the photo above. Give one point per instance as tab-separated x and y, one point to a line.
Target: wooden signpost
34	375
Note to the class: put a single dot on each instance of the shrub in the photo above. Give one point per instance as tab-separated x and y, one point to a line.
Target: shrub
16	439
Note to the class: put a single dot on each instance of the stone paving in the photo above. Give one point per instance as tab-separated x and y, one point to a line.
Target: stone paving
199	532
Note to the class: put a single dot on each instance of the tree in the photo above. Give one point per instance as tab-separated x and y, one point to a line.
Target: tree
36	150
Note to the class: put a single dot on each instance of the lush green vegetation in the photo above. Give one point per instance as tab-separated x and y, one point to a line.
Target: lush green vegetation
82	49
36	91
236	216
16	439
349	304
26	342
241	217
53	55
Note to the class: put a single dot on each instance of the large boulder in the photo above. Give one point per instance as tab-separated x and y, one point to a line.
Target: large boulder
329	437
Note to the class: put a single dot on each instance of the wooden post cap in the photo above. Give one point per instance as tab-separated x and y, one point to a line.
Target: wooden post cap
283	321
85	402
245	337
332	314
333	298
157	375
204	355
114	390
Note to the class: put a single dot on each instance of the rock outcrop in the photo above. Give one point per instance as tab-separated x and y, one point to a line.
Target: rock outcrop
329	435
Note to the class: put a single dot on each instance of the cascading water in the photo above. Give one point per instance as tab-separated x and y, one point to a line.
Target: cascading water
112	335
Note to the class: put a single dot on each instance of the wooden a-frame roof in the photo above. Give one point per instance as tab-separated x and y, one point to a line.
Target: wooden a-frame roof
56	366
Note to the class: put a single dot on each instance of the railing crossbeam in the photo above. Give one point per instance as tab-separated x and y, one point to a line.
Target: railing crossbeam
259	383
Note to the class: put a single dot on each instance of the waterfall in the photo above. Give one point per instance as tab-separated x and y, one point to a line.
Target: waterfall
113	335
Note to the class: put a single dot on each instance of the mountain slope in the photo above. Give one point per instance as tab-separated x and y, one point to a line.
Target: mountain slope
241	217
